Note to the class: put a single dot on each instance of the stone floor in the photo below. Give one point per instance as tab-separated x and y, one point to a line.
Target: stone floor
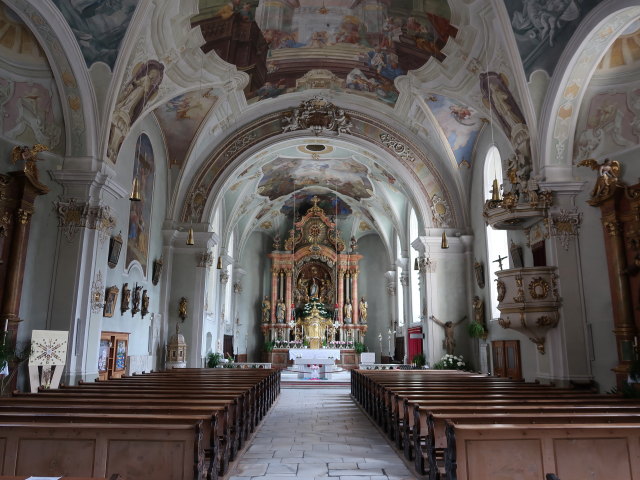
318	433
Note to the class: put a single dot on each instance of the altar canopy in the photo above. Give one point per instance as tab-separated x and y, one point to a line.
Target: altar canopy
314	286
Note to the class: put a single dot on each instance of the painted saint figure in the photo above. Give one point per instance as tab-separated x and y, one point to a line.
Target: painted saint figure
348	311
280	310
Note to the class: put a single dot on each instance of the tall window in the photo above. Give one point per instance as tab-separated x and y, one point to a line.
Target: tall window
399	287
497	244
415	274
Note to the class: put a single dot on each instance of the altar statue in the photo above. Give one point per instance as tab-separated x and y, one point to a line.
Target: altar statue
363	310
280	309
313	289
348	311
266	309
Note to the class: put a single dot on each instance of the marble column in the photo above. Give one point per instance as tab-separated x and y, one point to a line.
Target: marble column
288	295
274	294
340	294
354	295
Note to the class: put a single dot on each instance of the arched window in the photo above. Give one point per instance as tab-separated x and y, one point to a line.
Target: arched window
497	244
415	274
399	287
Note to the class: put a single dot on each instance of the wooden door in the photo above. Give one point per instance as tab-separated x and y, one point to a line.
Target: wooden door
227	346
506	359
512	359
497	347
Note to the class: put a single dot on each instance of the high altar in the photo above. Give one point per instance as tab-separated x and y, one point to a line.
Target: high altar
314	287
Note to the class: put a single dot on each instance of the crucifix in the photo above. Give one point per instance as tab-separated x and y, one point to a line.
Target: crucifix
499	260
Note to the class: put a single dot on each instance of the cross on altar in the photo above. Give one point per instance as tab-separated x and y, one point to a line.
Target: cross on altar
499	261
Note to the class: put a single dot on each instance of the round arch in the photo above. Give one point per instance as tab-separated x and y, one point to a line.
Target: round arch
568	85
69	71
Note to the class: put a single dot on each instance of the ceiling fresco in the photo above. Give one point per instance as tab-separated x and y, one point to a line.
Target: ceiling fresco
461	125
284	175
356	46
543	28
301	202
625	51
17	42
180	119
30	108
99	26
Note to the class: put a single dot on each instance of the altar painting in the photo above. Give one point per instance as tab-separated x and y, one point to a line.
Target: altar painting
364	46
140	212
314	281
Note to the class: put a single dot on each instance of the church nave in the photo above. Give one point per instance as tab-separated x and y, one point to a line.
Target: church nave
318	433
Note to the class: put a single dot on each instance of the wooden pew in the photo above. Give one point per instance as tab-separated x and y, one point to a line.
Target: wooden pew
526	452
135	451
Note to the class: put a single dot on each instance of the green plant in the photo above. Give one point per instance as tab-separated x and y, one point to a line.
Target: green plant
12	357
269	346
419	360
359	347
451	362
213	359
476	330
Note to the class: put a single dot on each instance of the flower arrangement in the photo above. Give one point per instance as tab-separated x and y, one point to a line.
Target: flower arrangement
451	362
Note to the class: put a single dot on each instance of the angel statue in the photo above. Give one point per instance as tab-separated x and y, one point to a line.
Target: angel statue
608	174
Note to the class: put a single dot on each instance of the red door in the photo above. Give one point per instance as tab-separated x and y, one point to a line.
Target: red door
415	342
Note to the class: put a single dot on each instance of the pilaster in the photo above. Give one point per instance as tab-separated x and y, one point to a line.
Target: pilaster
567	345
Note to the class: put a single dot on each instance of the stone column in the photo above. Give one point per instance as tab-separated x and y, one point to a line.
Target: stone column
354	296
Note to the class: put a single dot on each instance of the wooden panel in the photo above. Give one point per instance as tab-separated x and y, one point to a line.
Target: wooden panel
579	459
147	460
505	460
512	359
55	457
497	347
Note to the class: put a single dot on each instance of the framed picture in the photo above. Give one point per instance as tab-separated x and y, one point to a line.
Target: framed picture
115	245
110	299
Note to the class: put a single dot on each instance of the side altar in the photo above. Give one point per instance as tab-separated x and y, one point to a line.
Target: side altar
313	300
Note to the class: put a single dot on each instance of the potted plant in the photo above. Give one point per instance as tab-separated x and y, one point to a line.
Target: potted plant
419	360
477	330
213	359
267	354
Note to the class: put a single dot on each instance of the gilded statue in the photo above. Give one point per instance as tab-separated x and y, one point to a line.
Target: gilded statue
266	309
30	156
182	308
449	342
608	175
363	310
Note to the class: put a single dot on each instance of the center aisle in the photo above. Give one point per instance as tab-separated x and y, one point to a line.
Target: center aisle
318	433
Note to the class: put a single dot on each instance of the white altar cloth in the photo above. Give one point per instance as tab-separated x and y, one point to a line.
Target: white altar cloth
313	353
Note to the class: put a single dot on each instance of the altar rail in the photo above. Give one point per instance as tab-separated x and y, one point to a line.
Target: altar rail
386	366
245	365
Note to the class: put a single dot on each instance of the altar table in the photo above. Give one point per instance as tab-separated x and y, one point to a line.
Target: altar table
316	363
314	353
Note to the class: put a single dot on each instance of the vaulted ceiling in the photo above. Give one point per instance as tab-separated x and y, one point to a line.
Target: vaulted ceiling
418	66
